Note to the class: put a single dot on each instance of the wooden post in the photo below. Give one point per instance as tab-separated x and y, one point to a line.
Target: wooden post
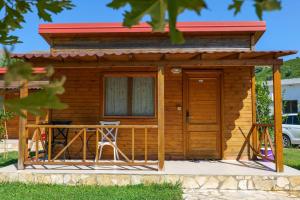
132	144
161	117
253	99
49	144
84	145
277	118
22	128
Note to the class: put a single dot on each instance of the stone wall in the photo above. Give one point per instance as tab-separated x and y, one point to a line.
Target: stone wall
264	183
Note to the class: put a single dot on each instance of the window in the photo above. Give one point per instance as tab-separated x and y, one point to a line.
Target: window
288	120
296	120
129	95
290	106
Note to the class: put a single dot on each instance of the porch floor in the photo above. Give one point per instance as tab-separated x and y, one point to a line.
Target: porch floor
203	175
222	167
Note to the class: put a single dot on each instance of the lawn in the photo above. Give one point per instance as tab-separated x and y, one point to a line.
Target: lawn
292	157
32	191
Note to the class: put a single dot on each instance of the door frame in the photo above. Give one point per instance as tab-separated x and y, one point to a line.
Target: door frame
185	74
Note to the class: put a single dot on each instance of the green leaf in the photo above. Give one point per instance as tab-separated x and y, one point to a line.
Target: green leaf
158	10
46	7
14	10
34	103
236	6
266	5
39	101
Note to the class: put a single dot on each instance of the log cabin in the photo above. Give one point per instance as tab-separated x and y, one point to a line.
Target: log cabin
174	102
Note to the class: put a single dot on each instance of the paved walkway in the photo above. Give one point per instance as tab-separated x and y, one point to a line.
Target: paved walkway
194	194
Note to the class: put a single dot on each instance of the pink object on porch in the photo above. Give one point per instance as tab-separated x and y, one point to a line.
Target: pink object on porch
270	154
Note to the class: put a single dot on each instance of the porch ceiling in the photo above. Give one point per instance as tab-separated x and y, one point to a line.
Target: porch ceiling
153	55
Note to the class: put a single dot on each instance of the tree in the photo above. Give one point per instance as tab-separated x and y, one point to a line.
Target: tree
263	103
17	70
161	12
164	12
14	11
4	116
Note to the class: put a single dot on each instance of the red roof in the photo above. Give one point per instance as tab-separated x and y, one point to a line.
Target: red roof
87	29
36	70
244	26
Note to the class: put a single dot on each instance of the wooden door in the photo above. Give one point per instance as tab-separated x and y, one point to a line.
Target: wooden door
202	114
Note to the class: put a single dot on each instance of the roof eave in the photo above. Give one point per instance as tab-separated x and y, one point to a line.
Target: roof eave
85	29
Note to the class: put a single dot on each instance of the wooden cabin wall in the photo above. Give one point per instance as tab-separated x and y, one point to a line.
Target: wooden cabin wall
13	124
84	97
113	44
237	110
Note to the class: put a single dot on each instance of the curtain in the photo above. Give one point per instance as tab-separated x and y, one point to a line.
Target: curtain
116	95
143	96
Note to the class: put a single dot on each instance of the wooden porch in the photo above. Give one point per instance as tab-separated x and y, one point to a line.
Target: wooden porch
195	61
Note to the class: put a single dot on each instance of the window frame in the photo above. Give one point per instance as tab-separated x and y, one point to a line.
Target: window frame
296	117
149	74
288	106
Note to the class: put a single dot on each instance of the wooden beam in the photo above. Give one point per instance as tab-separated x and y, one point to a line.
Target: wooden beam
278	118
90	126
22	128
253	99
183	63
252	42
161	117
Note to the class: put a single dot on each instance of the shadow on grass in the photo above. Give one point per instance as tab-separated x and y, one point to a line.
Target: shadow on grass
12	158
8	162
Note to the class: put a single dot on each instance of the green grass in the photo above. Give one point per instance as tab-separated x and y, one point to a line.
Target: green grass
292	157
11	159
40	191
32	191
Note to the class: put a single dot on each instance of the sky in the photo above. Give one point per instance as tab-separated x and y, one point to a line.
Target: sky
283	27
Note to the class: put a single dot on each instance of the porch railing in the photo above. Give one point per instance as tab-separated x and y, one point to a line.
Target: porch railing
263	139
41	136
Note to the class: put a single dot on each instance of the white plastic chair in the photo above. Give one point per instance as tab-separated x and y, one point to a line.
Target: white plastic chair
112	134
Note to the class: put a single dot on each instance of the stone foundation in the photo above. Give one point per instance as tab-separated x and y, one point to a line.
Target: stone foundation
265	183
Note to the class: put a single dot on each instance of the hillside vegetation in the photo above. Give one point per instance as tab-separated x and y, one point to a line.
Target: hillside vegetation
290	69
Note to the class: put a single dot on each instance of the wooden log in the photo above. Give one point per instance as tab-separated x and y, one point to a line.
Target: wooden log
69	143
146	144
49	144
183	63
132	144
270	141
22	128
91	126
253	99
266	142
161	117
84	145
36	138
97	145
278	118
121	163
